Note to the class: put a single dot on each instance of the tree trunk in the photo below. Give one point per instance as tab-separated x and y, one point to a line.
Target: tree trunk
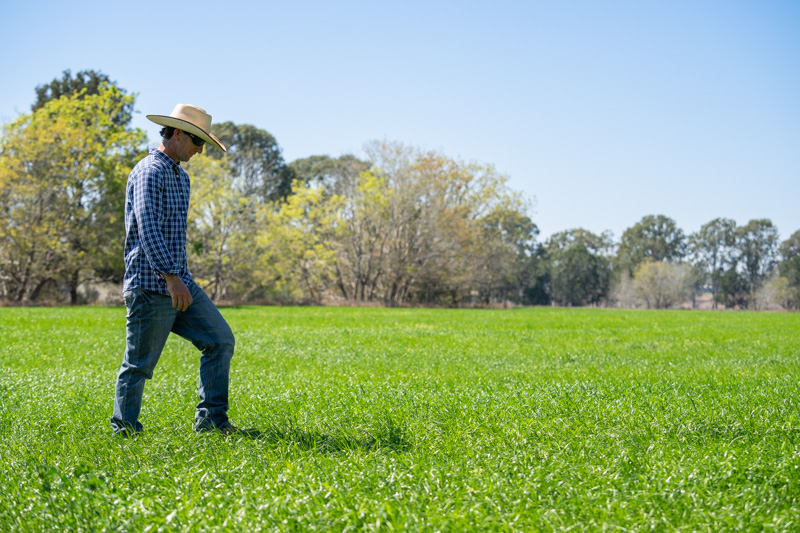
340	283
73	288
38	289
21	290
26	278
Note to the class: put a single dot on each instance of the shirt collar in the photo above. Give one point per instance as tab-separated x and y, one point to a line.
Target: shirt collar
164	157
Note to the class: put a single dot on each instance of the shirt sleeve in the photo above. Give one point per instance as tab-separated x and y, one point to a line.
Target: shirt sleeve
148	209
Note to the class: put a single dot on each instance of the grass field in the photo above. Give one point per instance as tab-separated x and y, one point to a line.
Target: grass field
412	420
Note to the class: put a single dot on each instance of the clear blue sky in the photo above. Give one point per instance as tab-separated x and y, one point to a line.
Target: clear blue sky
601	111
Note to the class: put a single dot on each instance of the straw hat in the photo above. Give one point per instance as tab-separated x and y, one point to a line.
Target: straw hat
192	119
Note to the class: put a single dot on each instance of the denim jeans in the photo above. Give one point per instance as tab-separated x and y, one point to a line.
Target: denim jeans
151	318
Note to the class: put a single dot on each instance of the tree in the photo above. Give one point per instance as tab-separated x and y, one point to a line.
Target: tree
713	248
757	244
789	267
602	244
298	258
577	276
419	226
255	161
790	248
733	288
230	193
85	83
452	227
654	238
62	175
538	285
579	266
662	285
336	176
777	291
220	228
384	225
362	251
510	243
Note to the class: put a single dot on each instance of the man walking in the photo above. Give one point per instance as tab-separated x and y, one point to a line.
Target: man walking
159	292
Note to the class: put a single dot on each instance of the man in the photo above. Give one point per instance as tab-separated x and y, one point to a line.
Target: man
159	292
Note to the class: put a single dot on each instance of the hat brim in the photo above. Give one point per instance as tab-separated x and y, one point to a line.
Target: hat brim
164	120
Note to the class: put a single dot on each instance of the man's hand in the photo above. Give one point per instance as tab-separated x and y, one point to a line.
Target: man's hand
181	297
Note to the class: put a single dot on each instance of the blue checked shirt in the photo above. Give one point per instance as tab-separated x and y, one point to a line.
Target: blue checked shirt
156	206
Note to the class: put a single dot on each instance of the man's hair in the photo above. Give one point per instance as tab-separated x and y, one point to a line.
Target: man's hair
167	132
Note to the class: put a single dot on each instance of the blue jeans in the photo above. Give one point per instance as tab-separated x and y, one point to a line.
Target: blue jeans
151	318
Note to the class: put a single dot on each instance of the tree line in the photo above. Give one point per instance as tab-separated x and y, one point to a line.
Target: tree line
402	226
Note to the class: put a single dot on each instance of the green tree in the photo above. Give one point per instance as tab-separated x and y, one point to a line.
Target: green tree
733	288
62	175
509	237
654	238
579	265
602	244
362	253
757	244
577	276
538	285
789	267
336	176
84	83
221	224
255	161
298	258
714	248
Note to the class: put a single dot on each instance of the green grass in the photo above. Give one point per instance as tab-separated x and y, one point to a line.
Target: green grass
412	420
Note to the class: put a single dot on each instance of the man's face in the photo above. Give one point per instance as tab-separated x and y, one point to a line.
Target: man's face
186	148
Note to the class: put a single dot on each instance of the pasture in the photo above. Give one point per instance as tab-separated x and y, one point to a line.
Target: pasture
412	420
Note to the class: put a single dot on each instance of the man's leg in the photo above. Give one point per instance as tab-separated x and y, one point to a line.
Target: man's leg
204	326
150	318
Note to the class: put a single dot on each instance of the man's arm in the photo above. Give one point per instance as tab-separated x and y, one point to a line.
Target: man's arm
146	206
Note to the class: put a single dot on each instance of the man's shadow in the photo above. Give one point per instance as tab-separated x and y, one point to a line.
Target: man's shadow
388	435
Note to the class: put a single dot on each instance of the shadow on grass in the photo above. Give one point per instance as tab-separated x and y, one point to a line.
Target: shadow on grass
389	435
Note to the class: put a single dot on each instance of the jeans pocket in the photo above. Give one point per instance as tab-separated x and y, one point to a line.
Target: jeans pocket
134	296
147	296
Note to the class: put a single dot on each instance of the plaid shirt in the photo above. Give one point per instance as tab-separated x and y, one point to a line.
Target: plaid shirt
156	206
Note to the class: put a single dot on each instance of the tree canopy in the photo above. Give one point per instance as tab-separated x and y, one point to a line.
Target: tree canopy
85	83
654	238
254	160
398	225
62	176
